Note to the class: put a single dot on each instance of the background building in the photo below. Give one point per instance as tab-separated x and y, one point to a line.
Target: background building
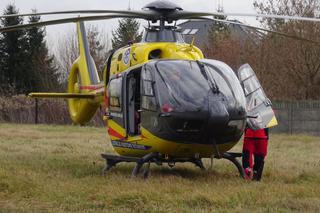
199	29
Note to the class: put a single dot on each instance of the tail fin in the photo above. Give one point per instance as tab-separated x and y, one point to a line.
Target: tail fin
85	58
85	91
83	74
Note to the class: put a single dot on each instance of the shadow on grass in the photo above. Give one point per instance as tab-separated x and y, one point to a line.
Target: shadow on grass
183	171
81	167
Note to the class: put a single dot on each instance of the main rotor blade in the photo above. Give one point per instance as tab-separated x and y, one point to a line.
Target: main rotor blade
263	29
156	15
193	15
297	18
64	21
144	14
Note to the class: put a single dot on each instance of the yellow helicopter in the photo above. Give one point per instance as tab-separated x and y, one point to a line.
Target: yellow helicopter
164	102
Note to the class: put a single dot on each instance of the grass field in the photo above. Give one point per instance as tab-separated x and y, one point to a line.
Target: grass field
58	169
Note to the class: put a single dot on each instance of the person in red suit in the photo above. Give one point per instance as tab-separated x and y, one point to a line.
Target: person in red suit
254	145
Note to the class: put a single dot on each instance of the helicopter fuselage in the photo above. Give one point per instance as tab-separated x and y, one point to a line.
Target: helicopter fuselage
145	113
164	102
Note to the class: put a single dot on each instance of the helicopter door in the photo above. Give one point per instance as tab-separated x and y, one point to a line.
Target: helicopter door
116	106
133	101
131	105
259	110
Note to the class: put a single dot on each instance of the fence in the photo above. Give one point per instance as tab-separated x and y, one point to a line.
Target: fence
297	117
20	109
294	117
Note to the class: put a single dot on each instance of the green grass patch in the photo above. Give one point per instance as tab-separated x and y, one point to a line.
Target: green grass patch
58	169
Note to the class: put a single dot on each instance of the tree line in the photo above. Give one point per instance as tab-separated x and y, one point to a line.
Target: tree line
23	56
288	69
26	65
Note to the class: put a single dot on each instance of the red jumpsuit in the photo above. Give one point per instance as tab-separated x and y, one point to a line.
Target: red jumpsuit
255	144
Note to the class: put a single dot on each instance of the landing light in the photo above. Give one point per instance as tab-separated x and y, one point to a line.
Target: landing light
166	108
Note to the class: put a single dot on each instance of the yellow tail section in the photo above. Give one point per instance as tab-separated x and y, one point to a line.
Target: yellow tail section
85	91
82	80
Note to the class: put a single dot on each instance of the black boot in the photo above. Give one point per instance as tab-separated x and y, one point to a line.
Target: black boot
245	159
258	167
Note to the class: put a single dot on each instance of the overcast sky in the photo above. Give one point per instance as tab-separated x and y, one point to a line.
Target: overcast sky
55	32
196	5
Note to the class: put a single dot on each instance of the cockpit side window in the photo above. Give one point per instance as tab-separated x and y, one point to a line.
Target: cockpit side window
114	90
148	101
221	82
181	86
230	80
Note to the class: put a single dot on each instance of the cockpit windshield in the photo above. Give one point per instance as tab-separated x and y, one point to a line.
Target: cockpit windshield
181	84
187	85
229	84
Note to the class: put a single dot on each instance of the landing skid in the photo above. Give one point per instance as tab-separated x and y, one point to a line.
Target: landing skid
232	156
157	158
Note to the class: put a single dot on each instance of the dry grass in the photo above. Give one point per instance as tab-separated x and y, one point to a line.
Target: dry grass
57	169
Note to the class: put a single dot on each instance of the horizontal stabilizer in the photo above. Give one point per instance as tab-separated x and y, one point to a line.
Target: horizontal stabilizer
63	95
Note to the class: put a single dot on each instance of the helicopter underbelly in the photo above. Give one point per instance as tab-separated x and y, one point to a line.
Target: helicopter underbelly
145	143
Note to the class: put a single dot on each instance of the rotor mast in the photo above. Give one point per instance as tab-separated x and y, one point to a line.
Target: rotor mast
163	8
162	24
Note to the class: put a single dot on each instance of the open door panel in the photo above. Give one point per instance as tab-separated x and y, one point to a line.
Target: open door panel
259	107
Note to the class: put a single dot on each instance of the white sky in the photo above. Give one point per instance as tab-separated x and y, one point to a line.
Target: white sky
54	32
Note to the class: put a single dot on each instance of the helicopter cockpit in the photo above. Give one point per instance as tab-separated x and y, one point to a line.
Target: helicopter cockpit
182	97
178	99
190	83
165	34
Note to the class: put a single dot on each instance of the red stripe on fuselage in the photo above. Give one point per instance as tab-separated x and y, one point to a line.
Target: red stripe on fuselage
91	87
114	133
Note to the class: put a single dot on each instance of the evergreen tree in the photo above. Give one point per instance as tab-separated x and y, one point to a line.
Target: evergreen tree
13	54
128	31
43	74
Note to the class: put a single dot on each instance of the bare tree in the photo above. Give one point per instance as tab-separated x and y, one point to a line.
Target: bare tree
288	69
67	51
296	62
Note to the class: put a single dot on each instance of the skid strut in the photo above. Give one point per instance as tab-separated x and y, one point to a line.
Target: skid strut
233	158
146	159
157	158
113	160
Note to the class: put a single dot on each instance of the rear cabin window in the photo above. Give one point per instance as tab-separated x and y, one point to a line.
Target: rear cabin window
115	101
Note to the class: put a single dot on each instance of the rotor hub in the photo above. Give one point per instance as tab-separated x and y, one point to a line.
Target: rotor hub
162	5
163	10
